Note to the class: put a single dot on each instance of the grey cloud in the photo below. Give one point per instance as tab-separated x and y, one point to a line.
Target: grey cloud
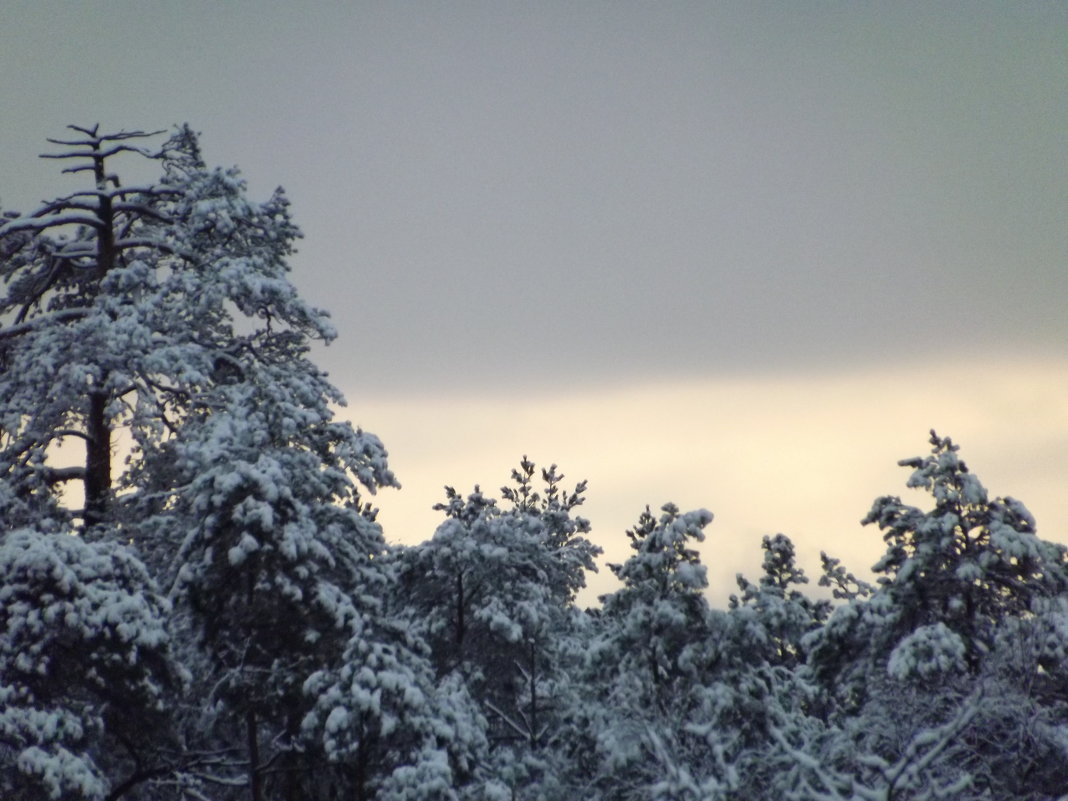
506	193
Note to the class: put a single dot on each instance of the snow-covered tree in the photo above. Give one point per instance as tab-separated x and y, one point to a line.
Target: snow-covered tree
660	612
775	614
949	576
969	561
646	669
494	589
814	762
160	317
85	669
1018	745
126	304
937	675
71	344
758	677
273	556
388	728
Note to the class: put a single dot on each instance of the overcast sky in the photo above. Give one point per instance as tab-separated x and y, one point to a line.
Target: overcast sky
736	255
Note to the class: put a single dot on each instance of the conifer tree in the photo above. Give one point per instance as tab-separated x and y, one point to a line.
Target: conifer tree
648	665
160	318
949	576
494	589
929	675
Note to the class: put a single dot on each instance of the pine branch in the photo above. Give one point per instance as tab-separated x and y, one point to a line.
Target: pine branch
61	316
59	475
96	138
34	223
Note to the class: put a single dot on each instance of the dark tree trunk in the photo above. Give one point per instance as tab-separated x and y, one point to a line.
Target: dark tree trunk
360	791
533	695
461	626
97	460
255	793
98	449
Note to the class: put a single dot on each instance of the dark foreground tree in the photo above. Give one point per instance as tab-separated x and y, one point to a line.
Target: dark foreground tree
160	318
86	672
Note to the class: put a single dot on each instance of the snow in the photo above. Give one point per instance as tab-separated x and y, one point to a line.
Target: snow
928	652
459	668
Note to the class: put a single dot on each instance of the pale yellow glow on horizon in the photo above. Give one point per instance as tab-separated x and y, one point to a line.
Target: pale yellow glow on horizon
802	455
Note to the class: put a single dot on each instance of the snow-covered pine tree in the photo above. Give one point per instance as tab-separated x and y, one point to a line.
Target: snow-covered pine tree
968	562
386	727
275	566
494	589
758	682
948	577
125	304
935	677
85	669
86	662
647	668
659	614
774	614
161	316
59	344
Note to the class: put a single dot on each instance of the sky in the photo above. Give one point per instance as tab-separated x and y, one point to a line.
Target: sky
732	255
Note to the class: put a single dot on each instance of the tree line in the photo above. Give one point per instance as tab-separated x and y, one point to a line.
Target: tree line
217	615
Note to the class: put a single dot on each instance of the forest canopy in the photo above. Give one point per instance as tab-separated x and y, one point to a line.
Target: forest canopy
218	616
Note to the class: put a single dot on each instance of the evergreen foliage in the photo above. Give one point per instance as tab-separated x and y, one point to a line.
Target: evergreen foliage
218	616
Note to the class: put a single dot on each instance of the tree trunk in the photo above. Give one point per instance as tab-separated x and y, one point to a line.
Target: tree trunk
98	450
461	624
97	460
360	773
255	794
533	695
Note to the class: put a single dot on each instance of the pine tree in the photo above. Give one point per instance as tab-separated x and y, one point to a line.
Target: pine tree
160	319
660	612
648	667
969	561
775	615
86	670
949	576
494	589
932	674
275	558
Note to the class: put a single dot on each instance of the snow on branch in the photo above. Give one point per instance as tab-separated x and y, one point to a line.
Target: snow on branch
99	155
61	316
34	223
914	770
95	137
